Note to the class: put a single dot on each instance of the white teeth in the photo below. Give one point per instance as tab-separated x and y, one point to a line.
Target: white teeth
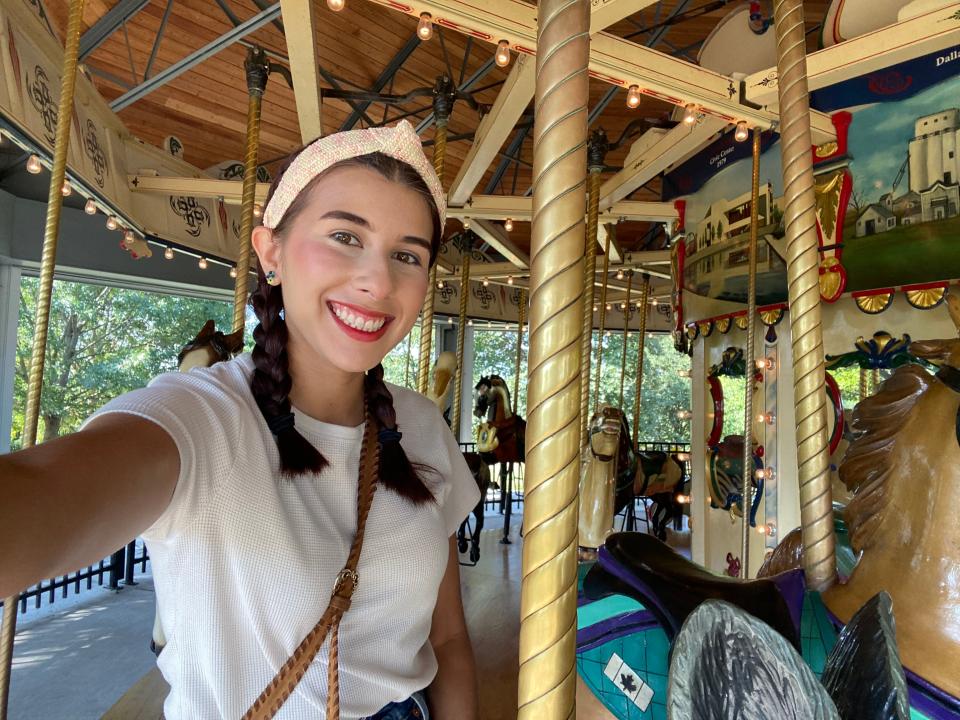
356	322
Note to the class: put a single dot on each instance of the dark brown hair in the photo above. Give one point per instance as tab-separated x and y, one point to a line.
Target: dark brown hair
271	381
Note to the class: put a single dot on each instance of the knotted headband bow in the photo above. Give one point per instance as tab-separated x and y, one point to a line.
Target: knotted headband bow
399	141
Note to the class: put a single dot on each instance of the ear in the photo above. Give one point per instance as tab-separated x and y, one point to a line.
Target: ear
235	341
935	351
266	247
206	331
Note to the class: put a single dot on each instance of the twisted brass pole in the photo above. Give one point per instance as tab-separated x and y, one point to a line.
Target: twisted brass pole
426	314
626	336
816	511
461	330
644	307
863	383
548	600
596	151
58	173
603	316
876	381
258	70
521	312
406	362
748	421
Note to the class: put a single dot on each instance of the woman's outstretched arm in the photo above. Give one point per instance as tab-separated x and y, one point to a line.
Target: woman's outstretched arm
74	500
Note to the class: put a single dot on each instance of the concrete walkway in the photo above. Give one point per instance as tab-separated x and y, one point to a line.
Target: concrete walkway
75	659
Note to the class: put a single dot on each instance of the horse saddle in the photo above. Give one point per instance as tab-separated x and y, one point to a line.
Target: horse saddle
671	587
487	440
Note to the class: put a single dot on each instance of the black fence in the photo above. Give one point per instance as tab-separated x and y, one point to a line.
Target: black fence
121	566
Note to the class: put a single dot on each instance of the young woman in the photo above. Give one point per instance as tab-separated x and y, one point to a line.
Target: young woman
247	480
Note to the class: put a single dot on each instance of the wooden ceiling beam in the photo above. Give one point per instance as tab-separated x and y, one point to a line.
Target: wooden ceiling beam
497	237
300	30
514	98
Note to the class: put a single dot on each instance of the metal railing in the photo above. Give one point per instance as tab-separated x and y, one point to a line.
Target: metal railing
121	566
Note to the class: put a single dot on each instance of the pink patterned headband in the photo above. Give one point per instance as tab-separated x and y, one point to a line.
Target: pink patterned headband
399	141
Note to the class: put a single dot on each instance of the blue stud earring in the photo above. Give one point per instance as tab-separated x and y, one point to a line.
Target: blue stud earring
272	278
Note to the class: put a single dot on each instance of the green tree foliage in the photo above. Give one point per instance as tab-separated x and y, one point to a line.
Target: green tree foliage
102	342
396	367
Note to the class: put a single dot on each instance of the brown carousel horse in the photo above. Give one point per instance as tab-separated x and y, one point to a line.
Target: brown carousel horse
501	434
903	469
210	346
660	477
607	480
444	372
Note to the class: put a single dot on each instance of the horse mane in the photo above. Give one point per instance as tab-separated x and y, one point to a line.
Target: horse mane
867	466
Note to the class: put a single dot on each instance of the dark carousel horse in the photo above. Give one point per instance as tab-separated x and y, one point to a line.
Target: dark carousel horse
481	474
661	477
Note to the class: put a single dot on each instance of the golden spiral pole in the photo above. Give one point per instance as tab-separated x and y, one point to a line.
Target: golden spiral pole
876	381
603	317
258	70
42	317
626	336
426	314
521	312
747	486
548	599
595	151
461	332
644	308
863	384
816	512
406	362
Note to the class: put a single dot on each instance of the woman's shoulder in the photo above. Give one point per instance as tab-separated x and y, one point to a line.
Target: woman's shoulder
228	375
411	406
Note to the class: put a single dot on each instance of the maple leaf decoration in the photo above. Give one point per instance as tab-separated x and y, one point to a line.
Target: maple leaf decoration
626	681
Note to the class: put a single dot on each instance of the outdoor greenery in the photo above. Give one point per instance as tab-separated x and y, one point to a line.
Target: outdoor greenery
102	342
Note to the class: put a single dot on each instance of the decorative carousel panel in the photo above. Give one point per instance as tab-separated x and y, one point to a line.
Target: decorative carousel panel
926	298
874	304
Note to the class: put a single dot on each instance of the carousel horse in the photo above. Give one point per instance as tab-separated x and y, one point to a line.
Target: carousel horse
444	372
607	478
660	477
862	676
501	433
904	471
725	478
209	347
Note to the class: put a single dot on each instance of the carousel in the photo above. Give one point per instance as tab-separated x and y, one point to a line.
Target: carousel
775	186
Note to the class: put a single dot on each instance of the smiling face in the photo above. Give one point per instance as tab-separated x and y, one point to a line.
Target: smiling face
353	267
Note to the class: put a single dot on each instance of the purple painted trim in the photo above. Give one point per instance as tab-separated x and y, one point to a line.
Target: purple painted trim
923	695
792	586
604	631
651	599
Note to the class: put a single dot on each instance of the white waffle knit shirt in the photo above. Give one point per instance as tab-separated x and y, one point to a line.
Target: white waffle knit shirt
244	561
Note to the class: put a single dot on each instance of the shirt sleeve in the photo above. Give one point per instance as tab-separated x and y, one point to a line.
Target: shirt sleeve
204	420
463	494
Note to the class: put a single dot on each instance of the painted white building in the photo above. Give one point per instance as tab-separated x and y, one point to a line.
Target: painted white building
875	219
933	150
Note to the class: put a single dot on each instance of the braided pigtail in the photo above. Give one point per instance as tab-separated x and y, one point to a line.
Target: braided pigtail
396	470
271	382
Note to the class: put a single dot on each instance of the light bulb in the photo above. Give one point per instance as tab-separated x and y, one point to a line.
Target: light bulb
683	456
489	324
633	96
764	363
202	264
595	308
425	26
767	418
66	190
742	132
112	223
470	321
439	284
34	165
502	57
233	271
762	529
685	373
450	320
509	279
607	307
619	274
623	306
91	207
684	414
508	225
486	282
168	253
257	210
128	236
683	499
336	5
690	114
760	474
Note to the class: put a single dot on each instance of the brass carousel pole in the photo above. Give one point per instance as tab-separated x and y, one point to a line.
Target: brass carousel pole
603	318
863	384
521	312
626	336
466	248
816	511
258	70
876	381
406	363
596	150
644	308
748	421
548	599
42	317
442	105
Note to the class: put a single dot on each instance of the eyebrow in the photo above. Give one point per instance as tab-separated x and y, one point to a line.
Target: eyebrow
357	220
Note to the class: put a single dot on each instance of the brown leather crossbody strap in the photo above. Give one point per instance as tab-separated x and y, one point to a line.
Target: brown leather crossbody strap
289	676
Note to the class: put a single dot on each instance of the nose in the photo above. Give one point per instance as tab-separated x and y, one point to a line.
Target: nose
374	276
